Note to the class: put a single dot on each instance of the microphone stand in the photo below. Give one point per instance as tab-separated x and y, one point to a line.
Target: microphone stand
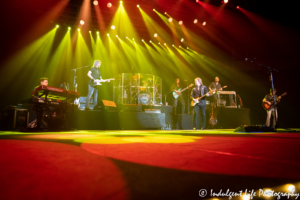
74	83
272	82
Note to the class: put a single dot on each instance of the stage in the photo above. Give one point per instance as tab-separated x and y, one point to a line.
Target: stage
147	164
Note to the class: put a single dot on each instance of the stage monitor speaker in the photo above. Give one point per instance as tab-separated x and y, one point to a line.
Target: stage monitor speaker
131	108
152	111
254	129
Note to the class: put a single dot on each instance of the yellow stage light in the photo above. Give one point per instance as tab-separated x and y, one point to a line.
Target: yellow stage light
170	19
155	34
97	32
107	34
69	28
181	40
79	29
113	27
95	3
153	9
138	6
57	26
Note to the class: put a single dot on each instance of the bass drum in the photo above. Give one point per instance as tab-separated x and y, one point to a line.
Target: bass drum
144	97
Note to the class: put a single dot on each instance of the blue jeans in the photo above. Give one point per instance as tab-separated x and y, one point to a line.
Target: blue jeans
89	96
200	118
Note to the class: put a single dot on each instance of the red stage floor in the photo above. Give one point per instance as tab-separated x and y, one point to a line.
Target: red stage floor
147	164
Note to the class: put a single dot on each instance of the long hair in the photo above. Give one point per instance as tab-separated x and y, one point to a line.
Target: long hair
179	82
96	62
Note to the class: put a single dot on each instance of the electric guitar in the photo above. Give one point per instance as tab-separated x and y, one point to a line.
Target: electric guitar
197	100
99	81
179	91
219	89
266	106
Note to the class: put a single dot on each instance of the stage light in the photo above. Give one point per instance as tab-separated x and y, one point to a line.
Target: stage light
159	43
89	31
197	1
133	39
204	23
155	34
170	19
113	27
187	48
79	29
291	188
237	7
165	44
150	41
246	197
81	22
107	34
180	22
98	32
142	40
182	39
138	6
57	26
225	1
195	21
69	28
153	9
117	36
179	46
172	45
109	5
121	2
165	13
95	3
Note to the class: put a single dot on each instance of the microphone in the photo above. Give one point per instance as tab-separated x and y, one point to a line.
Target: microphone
250	59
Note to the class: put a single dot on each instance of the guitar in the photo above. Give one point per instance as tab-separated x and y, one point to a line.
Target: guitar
197	100
266	106
176	95
99	81
213	117
219	89
240	100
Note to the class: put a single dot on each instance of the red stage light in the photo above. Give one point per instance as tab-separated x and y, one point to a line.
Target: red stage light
195	21
237	7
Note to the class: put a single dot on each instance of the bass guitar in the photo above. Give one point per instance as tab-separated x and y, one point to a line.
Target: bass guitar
179	91
267	106
99	81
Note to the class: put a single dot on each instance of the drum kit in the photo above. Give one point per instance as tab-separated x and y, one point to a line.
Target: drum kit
143	89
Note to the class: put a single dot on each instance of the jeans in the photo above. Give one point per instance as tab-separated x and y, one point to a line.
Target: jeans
199	118
180	98
89	96
269	113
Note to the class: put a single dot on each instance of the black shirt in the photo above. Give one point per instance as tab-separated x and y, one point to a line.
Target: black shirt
95	72
197	93
215	86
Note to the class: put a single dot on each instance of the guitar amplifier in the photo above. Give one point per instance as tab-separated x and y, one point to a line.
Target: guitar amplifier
12	119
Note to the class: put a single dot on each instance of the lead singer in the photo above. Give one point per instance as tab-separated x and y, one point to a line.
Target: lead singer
199	91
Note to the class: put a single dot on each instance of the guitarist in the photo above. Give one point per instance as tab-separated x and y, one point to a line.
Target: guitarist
198	91
216	86
268	99
94	73
175	87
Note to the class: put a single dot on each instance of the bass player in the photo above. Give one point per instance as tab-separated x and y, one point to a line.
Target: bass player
176	88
